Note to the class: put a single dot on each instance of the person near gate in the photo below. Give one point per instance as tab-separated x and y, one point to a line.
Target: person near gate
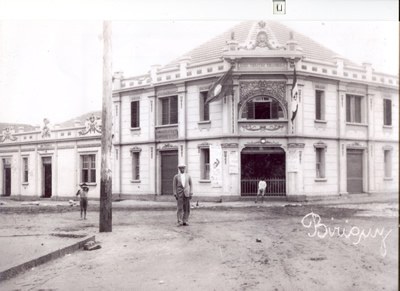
183	192
83	192
262	185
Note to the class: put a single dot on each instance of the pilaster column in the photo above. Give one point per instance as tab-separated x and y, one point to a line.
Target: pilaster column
370	143
341	132
152	117
294	166
182	114
342	168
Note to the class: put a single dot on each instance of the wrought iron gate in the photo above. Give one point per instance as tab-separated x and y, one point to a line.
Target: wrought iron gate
275	187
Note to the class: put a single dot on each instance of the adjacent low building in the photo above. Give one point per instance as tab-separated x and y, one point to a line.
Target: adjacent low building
50	161
338	135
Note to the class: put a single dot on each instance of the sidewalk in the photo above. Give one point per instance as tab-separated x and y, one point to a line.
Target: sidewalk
44	205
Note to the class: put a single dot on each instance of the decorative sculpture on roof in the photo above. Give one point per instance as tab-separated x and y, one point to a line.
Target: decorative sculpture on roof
8	134
261	36
46	128
92	125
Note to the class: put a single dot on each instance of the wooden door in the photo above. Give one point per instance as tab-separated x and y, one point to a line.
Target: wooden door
354	171
47	177
169	168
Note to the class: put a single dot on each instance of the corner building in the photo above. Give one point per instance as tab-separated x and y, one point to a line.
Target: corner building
343	139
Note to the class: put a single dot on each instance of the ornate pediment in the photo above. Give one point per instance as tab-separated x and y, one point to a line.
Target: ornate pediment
8	133
261	37
274	89
46	128
92	125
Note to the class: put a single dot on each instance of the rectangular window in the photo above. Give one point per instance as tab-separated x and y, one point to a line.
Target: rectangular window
204	108
88	169
205	163
388	163
353	108
135	116
25	174
319	105
169	110
135	165
387	112
320	162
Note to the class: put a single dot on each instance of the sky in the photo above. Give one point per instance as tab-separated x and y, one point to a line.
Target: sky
53	69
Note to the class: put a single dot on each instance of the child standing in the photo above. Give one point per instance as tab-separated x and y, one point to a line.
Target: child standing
261	189
83	192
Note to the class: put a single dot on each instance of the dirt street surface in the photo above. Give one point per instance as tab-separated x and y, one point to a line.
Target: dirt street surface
256	248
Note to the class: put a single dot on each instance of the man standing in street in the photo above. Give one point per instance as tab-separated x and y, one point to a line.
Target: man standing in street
183	192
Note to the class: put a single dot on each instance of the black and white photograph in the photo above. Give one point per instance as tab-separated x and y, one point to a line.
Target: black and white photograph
199	145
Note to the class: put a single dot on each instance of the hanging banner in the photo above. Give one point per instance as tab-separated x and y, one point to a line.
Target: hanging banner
216	166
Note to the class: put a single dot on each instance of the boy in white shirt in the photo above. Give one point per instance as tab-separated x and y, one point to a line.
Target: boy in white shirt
262	185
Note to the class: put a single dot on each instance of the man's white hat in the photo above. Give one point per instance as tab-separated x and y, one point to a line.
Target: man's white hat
181	165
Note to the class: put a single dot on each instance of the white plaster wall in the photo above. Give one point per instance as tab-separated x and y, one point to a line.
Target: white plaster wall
127	186
312	187
193	115
28	189
311	127
66	181
380	131
381	184
194	168
128	135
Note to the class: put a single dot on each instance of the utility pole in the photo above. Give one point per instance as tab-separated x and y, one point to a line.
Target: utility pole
105	224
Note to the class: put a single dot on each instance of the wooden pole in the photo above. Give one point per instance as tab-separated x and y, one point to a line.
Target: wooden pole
105	224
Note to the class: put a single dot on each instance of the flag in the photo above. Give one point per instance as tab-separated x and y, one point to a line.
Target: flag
221	87
295	96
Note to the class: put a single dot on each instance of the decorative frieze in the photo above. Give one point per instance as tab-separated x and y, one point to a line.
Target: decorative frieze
231	145
90	145
135	149
166	133
167	92
296	145
263	143
261	127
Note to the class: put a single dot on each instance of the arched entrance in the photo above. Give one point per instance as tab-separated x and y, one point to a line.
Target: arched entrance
268	163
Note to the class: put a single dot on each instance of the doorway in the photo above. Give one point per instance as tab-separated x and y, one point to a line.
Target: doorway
47	177
7	177
169	168
263	163
354	171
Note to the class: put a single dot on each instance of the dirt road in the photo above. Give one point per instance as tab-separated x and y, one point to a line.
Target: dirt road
276	248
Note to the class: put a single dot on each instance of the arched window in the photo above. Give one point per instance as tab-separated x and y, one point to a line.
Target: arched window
262	107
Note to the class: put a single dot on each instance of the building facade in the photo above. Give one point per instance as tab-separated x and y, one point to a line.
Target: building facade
342	140
50	162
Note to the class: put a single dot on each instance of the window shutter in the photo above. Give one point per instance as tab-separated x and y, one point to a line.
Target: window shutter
206	107
318	105
250	110
357	109
174	110
135	114
387	112
348	108
165	111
